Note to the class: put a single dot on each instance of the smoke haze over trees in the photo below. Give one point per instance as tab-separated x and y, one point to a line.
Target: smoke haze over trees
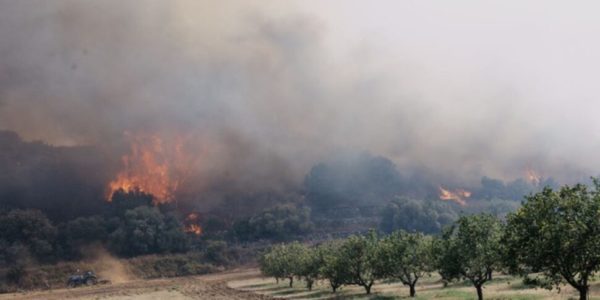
219	127
264	92
263	112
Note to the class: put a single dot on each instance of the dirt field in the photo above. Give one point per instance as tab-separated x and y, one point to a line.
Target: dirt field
212	286
249	284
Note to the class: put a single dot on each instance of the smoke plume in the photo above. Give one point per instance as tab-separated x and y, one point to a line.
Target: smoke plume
262	91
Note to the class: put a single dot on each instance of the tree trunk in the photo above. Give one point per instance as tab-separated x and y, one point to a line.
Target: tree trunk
479	292
291	281
489	275
412	290
368	288
334	286
583	293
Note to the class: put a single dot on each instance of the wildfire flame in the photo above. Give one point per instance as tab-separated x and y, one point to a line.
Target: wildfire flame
192	226
457	195
532	176
152	166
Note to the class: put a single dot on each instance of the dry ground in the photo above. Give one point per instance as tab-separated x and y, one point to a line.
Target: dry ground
249	284
212	286
502	287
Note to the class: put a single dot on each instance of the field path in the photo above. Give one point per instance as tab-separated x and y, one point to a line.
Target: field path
213	286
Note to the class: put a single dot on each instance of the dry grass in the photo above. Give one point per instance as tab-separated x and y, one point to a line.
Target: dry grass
502	287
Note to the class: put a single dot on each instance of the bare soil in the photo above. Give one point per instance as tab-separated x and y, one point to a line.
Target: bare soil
213	286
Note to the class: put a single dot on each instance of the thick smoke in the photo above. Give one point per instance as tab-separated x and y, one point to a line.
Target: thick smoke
264	90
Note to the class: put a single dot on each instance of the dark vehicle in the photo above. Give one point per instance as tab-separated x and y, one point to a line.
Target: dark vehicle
88	278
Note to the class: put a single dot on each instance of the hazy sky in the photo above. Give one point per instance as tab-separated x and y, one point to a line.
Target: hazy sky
466	88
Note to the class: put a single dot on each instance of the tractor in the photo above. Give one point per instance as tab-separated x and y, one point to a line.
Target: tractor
88	278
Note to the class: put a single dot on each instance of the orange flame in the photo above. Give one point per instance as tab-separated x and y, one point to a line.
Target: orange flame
192	224
458	195
152	166
532	176
193	228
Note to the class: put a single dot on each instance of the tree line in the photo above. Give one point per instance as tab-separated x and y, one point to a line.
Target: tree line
130	226
553	239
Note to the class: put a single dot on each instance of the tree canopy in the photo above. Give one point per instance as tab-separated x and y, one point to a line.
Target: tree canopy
557	233
406	257
471	250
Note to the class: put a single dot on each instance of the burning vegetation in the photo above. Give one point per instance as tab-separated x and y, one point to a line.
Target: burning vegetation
192	224
152	166
459	196
157	168
533	177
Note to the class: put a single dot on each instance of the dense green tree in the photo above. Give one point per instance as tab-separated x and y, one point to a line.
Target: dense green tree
80	232
27	230
217	252
333	268
122	201
269	265
145	230
281	222
351	180
445	260
471	250
310	262
360	255
406	257
86	229
283	261
416	215
557	233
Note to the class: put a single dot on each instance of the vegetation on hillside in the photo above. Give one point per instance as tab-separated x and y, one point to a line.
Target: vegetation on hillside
555	236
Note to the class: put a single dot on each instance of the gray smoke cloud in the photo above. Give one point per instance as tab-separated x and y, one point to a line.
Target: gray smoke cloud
264	90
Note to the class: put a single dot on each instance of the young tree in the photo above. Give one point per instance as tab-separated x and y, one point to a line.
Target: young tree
283	261
269	265
359	255
333	267
444	260
405	256
471	249
309	264
557	233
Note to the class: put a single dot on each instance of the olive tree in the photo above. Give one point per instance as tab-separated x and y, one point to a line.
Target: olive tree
283	261
406	257
360	256
309	264
471	250
557	233
333	268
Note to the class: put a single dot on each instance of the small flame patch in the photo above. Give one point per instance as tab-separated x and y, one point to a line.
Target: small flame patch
458	196
533	177
192	224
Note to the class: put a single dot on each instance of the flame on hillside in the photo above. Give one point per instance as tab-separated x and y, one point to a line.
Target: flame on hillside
152	166
191	224
459	196
532	176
